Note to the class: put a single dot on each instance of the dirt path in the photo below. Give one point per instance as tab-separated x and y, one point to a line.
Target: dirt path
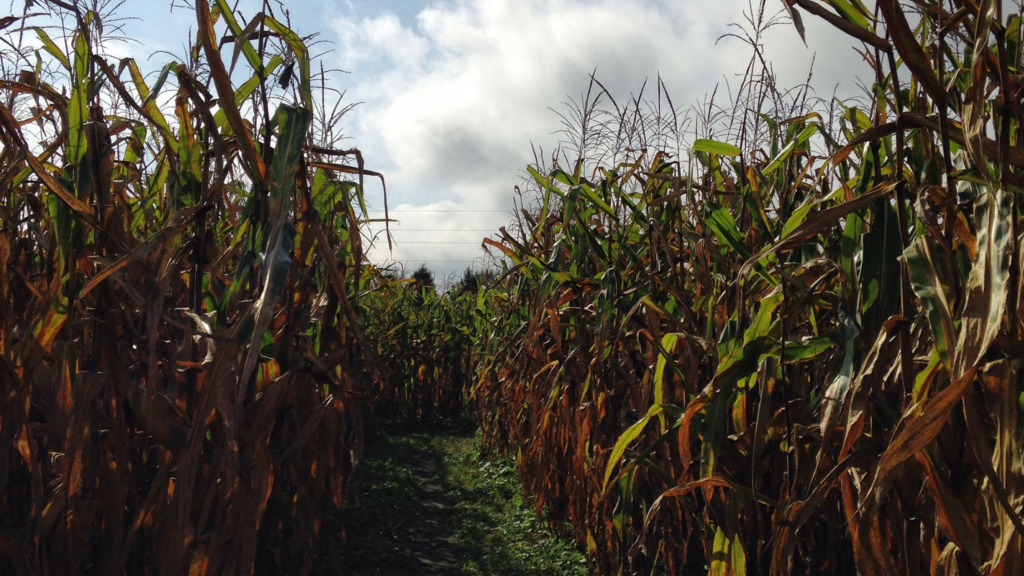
426	529
424	502
401	521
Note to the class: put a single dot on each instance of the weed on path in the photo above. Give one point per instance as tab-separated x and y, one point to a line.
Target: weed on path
426	503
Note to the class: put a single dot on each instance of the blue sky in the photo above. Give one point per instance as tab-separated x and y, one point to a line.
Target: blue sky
456	93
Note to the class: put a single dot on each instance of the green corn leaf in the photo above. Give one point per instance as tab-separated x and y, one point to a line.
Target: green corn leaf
763	324
798	351
668	345
779	159
728	557
796	218
880	274
302	56
52	49
625	440
924	377
588	192
714	431
250	53
294	122
755	204
799	216
925	278
850	246
159	83
715	147
46	329
152	109
722	224
725	228
556	274
851	13
243	92
78	106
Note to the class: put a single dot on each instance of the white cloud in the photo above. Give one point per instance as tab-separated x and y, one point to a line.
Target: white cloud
456	92
454	100
380	38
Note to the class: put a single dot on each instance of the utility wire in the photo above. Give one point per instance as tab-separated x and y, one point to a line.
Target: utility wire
439	230
418	260
443	211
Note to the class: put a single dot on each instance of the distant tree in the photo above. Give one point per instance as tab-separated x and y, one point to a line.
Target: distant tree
423	279
469	282
423	276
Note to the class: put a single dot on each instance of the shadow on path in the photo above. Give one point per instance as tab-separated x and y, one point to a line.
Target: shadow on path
425	502
400	521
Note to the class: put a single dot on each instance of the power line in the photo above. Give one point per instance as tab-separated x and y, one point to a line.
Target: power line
444	211
432	261
440	230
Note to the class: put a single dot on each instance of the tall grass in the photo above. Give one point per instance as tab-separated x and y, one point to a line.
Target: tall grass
172	401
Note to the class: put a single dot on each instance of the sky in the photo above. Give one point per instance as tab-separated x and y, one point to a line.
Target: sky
455	95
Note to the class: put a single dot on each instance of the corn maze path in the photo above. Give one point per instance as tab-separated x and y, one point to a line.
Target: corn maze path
400	521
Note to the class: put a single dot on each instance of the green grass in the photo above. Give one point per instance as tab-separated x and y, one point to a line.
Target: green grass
497	529
490	530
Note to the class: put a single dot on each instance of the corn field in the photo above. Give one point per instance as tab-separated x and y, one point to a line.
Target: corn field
787	345
422	343
181	384
795	355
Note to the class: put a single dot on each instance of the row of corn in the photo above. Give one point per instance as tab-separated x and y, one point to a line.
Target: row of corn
182	373
800	357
